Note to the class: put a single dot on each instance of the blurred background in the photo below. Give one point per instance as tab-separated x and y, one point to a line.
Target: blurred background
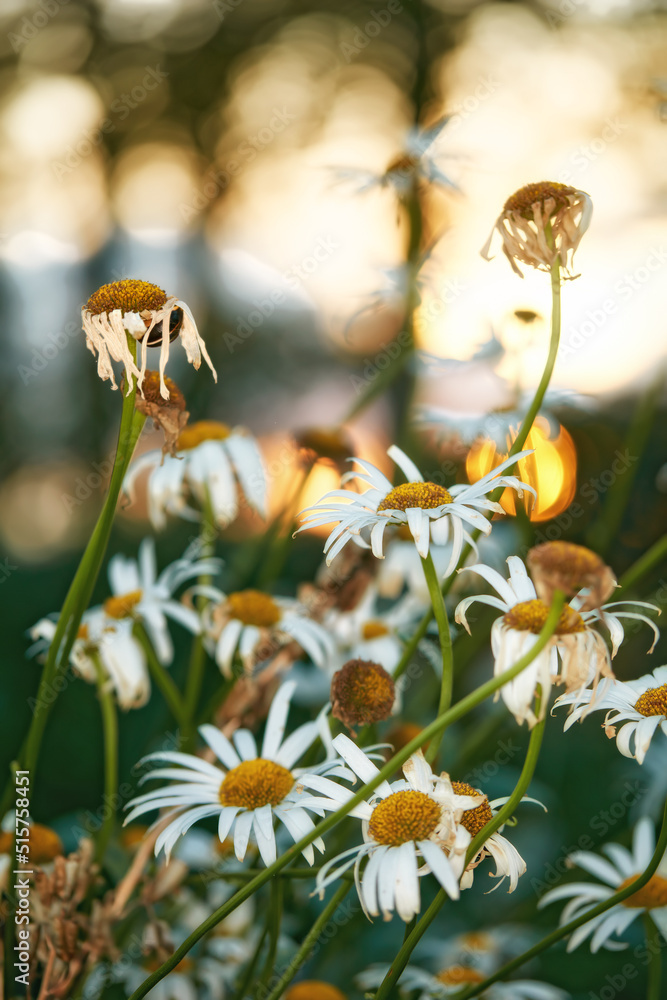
235	152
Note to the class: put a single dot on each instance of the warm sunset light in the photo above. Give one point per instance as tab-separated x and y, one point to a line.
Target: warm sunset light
551	470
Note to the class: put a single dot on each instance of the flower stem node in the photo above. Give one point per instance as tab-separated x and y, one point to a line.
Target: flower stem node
362	692
144	312
540	223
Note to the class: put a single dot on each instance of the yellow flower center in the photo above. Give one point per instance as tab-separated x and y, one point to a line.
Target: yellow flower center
82	632
128	296
456	975
252	607
200	431
530	616
651	897
473	819
255	783
362	692
404	816
424	495
132	836
123	606
314	989
522	201
653	701
373	630
43	842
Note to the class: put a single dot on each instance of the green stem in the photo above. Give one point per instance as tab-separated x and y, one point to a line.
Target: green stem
274	921
81	588
567	929
164	681
654	945
403	957
292	853
246	980
440	612
110	730
310	941
648	561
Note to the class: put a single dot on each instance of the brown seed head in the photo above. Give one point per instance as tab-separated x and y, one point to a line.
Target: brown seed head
570	568
362	692
549	195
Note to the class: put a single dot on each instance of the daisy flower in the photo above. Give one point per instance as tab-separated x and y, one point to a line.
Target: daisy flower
430	511
403	823
575	655
622	868
641	705
212	463
523	223
248	791
452	979
147	314
255	625
509	863
366	633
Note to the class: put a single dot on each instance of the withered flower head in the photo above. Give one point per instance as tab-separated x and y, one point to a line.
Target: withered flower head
145	312
44	844
540	222
168	412
332	444
362	692
572	569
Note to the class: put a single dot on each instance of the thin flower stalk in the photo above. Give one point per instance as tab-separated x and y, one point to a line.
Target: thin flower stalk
110	731
162	678
442	722
444	634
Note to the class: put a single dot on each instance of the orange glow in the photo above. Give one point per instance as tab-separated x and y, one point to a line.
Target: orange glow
551	470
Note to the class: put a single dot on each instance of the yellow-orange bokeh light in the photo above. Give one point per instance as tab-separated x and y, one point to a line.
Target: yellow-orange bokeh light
551	470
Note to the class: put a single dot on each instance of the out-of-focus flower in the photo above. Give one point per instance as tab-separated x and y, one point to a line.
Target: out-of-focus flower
366	633
452	979
256	625
208	462
574	570
429	510
640	705
314	989
332	445
404	822
621	870
575	655
540	222
146	313
249	791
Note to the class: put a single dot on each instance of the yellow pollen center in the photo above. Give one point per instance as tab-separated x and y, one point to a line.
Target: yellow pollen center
652	896
530	616
255	783
653	701
373	630
522	201
123	606
473	819
314	989
404	816
44	844
128	296
200	431
82	632
252	607
456	975
424	495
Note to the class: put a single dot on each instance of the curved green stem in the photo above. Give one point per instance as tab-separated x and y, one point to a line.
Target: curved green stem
164	681
292	853
413	939
310	941
594	911
440	613
81	588
274	920
110	730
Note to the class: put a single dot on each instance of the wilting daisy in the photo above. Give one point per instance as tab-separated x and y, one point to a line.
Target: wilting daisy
255	625
453	978
198	977
404	822
430	511
509	863
248	791
622	868
147	314
540	222
212	463
575	655
640	705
